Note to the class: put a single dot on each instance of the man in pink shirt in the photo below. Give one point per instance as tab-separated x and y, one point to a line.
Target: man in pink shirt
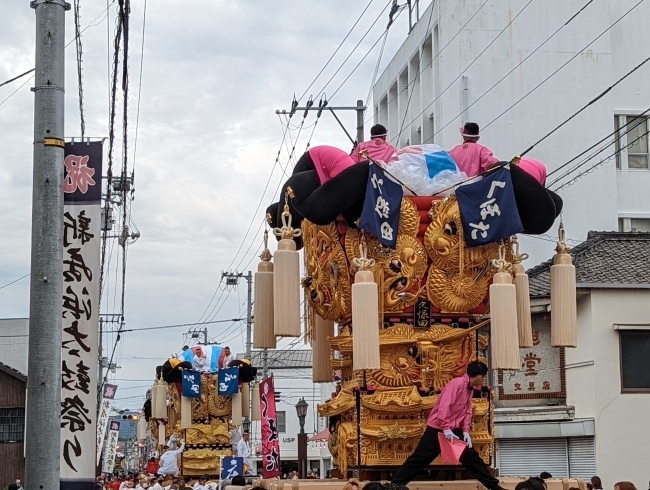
451	416
472	158
378	148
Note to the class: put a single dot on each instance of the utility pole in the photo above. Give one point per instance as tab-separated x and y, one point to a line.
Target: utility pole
43	432
205	336
360	109
232	279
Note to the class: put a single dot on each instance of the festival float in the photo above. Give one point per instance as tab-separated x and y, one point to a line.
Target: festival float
202	407
402	291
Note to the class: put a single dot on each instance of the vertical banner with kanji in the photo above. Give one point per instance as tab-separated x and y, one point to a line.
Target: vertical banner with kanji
270	441
82	188
381	206
108	394
111	448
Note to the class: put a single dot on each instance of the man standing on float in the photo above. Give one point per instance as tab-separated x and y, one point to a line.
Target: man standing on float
472	158
451	416
378	148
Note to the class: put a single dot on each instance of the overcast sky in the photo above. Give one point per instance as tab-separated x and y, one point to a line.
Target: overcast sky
214	74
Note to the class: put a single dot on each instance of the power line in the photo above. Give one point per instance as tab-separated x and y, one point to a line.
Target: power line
472	62
16	78
137	117
12	93
79	51
353	51
15	281
417	75
437	55
513	69
336	50
564	64
173	326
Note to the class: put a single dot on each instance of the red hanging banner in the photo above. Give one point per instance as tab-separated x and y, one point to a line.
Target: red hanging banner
270	441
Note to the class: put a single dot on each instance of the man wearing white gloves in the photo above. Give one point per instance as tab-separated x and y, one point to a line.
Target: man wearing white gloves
451	415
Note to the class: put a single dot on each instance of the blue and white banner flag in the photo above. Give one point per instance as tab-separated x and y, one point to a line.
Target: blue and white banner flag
232	467
381	207
191	384
488	209
228	381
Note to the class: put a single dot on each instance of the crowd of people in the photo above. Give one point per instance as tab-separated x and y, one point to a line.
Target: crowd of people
144	481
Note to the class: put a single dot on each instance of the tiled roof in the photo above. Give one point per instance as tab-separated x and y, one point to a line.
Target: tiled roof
12	372
282	358
605	259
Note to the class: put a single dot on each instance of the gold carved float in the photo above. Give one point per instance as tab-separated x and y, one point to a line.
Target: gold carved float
380	415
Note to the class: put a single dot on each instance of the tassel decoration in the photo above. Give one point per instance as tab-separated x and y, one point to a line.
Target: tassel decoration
162	437
504	337
522	289
286	280
245	400
255	403
365	314
237	418
142	428
263	333
186	412
161	400
321	365
564	330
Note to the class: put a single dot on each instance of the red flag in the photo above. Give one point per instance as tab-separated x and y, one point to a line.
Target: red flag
270	441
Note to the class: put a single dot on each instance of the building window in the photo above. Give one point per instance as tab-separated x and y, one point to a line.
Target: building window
635	361
12	424
634	224
282	421
632	142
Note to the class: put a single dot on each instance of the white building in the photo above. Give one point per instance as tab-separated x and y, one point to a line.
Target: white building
292	378
449	71
581	412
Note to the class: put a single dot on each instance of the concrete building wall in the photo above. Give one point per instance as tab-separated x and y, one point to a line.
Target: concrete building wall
622	422
596	201
14	340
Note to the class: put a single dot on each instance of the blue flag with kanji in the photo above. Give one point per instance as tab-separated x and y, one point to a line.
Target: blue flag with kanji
232	467
488	209
381	207
228	381
191	384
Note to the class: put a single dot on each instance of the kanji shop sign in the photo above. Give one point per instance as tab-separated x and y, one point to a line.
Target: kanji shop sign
542	369
81	271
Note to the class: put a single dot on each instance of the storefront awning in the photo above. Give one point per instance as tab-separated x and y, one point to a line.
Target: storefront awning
323	435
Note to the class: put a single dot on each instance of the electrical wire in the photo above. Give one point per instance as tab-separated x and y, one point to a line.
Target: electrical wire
513	69
352	52
418	73
79	51
337	49
137	117
179	325
471	63
15	281
436	56
565	64
16	78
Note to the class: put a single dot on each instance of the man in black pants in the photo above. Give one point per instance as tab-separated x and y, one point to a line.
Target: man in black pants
451	416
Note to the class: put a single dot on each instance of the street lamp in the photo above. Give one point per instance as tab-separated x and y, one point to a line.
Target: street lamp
301	410
246	424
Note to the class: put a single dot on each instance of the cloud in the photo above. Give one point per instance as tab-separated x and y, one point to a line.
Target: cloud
214	74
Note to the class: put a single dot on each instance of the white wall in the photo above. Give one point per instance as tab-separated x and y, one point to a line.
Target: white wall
593	202
622	420
14	343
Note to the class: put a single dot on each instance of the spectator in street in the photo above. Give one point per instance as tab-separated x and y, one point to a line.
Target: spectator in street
534	483
378	148
472	158
352	484
597	484
624	485
201	483
157	483
16	485
152	467
169	460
